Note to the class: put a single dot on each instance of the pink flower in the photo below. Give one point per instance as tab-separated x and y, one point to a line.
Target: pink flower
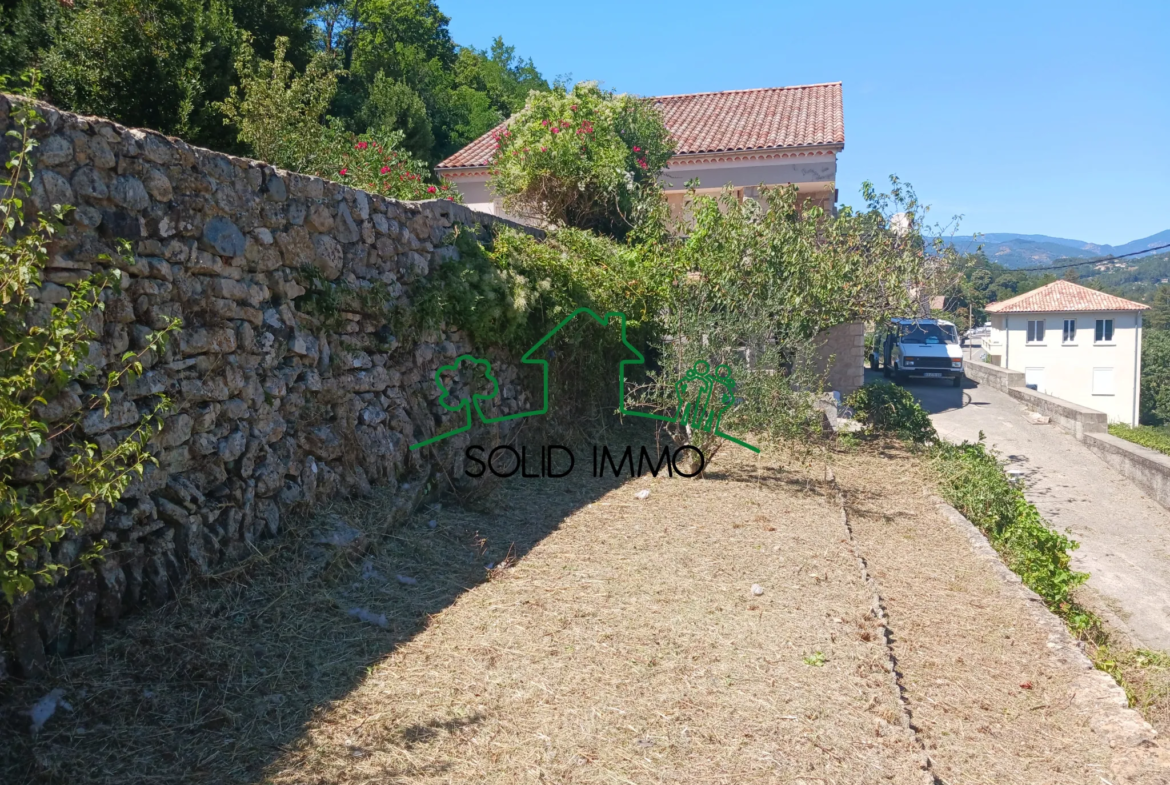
637	149
343	171
573	108
360	146
432	190
385	169
556	130
450	198
544	122
544	149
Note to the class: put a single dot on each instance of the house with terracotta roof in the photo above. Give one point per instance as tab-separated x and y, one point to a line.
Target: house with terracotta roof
741	138
1073	343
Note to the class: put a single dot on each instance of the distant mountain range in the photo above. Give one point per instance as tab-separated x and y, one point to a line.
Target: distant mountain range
1038	250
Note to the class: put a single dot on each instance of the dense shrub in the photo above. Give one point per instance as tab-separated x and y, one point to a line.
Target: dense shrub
888	408
588	159
282	116
51	478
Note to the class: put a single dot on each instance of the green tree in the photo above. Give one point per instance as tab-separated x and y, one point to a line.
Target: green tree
1158	317
1155	382
280	114
152	63
393	106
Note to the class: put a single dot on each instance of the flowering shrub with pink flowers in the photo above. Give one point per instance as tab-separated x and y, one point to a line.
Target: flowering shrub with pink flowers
588	158
380	166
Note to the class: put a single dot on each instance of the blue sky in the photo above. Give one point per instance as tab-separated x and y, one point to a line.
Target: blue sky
1039	118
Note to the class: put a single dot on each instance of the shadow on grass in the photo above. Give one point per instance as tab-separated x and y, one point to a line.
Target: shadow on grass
216	685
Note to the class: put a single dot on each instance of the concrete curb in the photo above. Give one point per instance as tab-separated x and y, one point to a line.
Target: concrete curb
1137	757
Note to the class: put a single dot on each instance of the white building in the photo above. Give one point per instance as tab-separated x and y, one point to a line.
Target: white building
1072	343
741	138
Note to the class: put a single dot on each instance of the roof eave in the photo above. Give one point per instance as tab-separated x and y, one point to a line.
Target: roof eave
802	149
826	147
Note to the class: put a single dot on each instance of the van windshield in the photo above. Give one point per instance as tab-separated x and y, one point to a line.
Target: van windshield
928	334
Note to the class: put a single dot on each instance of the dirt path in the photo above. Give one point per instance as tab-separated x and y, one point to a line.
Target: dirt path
622	643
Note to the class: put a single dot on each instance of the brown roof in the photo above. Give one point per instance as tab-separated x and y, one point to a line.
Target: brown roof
731	121
1063	297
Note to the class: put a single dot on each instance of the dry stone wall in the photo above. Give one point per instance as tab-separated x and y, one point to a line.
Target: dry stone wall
272	406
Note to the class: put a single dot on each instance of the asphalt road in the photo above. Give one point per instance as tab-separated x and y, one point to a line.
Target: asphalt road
1124	535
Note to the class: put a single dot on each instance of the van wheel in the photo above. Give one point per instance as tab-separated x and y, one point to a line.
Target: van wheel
958	382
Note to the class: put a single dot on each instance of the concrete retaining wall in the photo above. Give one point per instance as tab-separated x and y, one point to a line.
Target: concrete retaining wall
993	376
1147	469
1077	419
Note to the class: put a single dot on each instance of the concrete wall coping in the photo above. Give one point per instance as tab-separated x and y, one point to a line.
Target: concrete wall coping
1067	408
1146	457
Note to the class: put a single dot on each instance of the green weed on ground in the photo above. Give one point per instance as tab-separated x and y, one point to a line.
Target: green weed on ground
972	480
1154	437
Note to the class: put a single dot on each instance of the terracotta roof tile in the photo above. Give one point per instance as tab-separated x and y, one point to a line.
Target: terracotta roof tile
730	121
1064	297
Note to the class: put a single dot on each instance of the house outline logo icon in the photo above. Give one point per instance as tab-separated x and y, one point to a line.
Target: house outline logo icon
698	405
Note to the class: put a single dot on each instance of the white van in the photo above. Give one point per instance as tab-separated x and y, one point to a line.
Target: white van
918	347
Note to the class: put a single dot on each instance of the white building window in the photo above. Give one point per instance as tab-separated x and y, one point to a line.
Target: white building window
1104	333
1036	331
1070	331
1103	380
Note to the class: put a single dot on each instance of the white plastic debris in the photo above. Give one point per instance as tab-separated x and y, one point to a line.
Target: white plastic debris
642	494
757	589
378	619
369	571
46	707
406	580
340	537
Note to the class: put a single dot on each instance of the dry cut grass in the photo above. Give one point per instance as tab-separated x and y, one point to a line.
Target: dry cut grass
628	647
613	640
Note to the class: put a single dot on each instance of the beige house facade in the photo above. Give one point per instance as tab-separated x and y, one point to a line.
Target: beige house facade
738	138
1073	343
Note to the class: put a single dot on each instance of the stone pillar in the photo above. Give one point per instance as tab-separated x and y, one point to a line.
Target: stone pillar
839	354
